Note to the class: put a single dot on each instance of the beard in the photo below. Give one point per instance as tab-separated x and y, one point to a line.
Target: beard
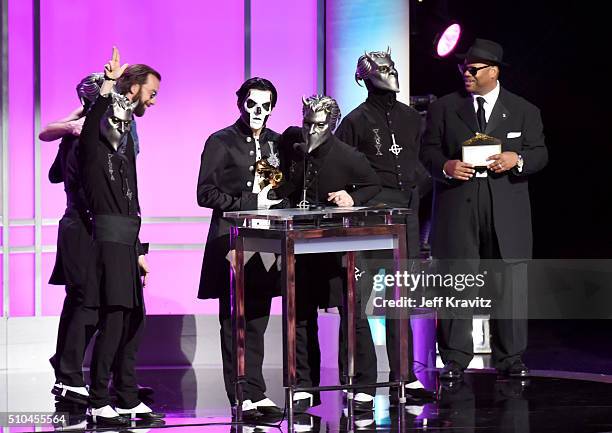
140	109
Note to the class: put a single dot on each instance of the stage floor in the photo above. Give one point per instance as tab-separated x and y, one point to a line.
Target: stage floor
194	399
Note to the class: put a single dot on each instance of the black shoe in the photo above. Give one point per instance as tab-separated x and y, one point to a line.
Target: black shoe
146	423
141	411
271	411
451	371
359	405
248	414
95	417
360	421
413	395
63	393
363	406
268	408
305	422
517	369
420	394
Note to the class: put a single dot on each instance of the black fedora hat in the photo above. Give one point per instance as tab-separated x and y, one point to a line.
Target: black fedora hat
484	51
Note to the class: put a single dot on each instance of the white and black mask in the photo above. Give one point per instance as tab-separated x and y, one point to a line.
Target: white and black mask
117	121
256	108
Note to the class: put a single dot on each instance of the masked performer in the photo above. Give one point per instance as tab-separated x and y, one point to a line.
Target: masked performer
229	180
74	244
322	170
388	132
106	161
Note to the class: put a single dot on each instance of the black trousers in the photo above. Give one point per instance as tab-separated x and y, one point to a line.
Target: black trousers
366	366
506	282
372	261
321	281
120	332
258	292
77	326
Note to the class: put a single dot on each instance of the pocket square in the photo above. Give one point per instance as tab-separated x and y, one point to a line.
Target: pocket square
513	134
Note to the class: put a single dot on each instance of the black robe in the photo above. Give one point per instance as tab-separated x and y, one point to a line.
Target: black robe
331	167
74	238
110	184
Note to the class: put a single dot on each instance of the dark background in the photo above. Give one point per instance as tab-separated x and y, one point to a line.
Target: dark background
557	53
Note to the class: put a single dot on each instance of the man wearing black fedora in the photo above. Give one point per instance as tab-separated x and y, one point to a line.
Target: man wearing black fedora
481	212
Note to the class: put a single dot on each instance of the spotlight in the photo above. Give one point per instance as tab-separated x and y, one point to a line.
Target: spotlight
446	41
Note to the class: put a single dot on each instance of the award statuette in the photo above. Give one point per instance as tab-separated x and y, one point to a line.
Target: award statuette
477	149
268	173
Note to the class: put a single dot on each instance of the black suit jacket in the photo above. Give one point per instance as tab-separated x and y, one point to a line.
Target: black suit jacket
225	184
450	121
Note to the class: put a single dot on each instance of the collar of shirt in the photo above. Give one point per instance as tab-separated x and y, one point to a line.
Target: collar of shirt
490	100
320	152
384	100
246	131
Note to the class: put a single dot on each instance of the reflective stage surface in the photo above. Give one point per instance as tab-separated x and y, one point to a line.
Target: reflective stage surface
194	399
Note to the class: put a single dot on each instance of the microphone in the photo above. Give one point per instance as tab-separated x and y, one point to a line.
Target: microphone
302	147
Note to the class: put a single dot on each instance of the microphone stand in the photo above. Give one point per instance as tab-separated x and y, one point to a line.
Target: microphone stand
316	205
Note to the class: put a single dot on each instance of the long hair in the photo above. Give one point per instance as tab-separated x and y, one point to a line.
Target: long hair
134	74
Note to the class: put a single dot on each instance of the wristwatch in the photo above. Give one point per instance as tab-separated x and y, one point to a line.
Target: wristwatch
519	163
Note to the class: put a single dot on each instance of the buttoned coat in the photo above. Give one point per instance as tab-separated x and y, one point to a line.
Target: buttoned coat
225	184
451	120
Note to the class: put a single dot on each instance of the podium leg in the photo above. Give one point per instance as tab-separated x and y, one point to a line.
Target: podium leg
350	326
400	255
289	317
238	320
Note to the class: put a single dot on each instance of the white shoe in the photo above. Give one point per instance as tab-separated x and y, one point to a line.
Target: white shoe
362	396
301	428
82	390
414	410
140	409
302	396
78	394
415	385
248	405
105	414
265	402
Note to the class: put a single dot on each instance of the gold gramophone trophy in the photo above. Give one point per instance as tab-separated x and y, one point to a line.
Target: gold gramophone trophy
270	175
477	149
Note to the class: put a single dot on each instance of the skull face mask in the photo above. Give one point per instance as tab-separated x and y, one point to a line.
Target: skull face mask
117	120
256	108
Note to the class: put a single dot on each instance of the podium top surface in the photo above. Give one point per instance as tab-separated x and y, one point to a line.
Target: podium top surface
297	214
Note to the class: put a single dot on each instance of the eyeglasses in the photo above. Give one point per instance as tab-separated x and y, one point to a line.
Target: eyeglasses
473	70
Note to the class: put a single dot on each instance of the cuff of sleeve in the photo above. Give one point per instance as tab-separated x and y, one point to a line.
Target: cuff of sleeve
143	249
356	200
248	201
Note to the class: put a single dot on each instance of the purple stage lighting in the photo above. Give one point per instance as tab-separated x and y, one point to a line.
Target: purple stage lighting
446	41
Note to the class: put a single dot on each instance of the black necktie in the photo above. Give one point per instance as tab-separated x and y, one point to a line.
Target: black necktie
480	114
